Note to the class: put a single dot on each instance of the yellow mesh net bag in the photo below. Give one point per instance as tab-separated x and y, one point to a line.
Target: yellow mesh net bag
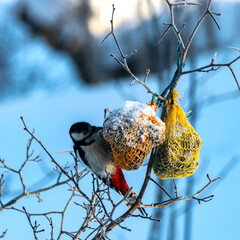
178	156
132	132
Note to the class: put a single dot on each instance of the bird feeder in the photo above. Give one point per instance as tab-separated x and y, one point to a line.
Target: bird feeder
132	132
178	156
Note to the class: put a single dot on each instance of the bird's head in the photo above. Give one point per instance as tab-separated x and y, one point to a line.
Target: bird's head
79	131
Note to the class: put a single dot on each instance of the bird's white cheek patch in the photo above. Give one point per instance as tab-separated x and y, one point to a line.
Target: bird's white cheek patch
78	136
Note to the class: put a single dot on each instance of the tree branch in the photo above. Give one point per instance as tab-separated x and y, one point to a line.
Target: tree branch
124	57
171	201
53	160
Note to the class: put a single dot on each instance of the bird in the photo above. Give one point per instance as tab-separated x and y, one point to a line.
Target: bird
95	154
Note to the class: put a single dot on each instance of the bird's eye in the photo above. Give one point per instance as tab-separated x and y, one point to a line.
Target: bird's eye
69	132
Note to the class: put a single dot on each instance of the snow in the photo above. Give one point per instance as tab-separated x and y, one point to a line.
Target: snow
131	112
135	118
137	108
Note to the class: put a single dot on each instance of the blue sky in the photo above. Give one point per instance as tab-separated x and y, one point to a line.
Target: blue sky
51	113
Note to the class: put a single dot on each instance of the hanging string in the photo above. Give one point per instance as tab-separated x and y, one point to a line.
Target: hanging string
167	93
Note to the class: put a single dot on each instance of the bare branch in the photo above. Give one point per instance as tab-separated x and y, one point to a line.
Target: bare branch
183	3
235	78
234	48
147	74
97	213
137	203
173	25
63	214
19	172
34	214
14	200
175	187
35	226
3	234
53	160
1	185
51	225
213	67
124	57
214	58
214	19
169	202
146	217
190	39
161	188
163	34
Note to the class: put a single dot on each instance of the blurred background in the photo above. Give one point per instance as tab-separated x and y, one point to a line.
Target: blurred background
54	71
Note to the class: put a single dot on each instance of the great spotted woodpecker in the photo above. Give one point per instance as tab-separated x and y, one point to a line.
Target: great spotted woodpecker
94	152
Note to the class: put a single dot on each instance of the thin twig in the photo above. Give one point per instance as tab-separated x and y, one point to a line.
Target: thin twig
163	34
14	200
124	57
147	217
161	188
235	78
51	225
3	234
35	226
169	202
190	39
234	48
63	214
53	160
214	66
175	187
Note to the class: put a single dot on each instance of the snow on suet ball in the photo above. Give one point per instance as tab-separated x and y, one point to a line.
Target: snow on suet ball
132	132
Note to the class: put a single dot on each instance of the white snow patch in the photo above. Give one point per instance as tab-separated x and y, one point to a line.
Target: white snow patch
131	112
135	116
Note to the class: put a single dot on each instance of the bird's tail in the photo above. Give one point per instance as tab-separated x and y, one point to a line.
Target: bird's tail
119	183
